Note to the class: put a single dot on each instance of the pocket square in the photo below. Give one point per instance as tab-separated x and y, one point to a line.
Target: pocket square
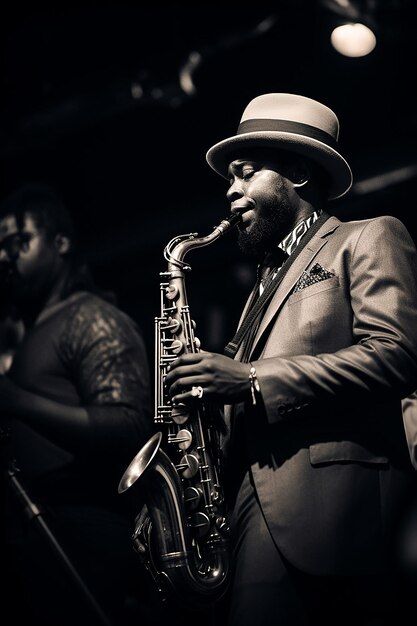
316	274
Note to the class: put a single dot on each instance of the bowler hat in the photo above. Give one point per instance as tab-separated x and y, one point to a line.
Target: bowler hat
288	122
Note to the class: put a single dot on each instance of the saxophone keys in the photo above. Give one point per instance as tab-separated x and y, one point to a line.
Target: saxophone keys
176	346
216	497
183	438
221	524
192	497
172	325
189	465
171	292
197	343
200	523
180	413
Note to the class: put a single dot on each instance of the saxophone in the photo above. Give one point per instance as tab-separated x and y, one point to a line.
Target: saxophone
182	533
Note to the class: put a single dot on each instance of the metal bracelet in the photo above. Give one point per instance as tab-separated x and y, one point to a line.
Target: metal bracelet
254	384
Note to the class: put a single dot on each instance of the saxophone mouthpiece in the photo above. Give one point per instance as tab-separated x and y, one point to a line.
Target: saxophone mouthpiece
234	219
230	222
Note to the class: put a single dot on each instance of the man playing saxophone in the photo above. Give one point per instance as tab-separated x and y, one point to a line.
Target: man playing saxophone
317	464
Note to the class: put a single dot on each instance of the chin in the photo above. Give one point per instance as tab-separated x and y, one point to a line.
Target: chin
251	245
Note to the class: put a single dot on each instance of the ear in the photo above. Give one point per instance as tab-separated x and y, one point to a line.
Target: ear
301	175
62	243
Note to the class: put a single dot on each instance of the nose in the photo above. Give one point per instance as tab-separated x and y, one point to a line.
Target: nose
235	191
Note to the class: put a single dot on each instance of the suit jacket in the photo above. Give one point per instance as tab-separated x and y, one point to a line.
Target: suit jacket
409	407
335	352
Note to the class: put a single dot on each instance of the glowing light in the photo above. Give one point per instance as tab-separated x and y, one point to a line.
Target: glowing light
353	40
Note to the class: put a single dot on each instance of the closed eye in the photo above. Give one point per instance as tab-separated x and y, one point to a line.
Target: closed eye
247	174
242	169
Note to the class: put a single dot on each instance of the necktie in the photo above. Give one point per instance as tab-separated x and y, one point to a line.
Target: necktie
268	268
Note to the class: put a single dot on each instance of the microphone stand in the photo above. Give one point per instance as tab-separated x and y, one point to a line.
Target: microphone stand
33	513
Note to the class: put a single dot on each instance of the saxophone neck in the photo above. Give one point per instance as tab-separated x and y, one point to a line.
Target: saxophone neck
178	247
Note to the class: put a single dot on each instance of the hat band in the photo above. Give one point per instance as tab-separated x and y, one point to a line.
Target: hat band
286	126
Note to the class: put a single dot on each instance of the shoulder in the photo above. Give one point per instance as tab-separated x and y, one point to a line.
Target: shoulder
382	222
385	227
91	316
91	305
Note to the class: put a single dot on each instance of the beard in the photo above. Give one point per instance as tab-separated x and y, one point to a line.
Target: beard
272	223
28	293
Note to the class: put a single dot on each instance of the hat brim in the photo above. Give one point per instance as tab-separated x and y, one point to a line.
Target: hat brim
219	155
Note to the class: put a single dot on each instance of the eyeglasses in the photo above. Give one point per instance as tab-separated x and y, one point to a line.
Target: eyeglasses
16	243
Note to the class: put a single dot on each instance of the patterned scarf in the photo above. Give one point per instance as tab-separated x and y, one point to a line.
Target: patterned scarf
291	241
286	248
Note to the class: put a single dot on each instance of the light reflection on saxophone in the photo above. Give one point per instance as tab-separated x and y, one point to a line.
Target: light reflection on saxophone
182	535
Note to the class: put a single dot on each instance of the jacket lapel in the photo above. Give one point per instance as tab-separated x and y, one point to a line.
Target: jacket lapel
300	264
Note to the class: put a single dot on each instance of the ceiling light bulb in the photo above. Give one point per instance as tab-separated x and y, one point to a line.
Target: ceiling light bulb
353	40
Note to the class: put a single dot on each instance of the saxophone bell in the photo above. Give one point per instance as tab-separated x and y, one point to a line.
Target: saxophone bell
141	462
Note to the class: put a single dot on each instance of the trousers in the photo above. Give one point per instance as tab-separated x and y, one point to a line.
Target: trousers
267	590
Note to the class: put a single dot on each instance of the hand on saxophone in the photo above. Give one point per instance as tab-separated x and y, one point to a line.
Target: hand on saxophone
208	376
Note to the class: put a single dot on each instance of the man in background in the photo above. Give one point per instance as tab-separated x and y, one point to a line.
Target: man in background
77	402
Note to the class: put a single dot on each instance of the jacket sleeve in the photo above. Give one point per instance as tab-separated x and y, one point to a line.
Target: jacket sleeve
409	410
382	360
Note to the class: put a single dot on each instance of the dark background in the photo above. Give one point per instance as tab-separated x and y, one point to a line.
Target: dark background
102	102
